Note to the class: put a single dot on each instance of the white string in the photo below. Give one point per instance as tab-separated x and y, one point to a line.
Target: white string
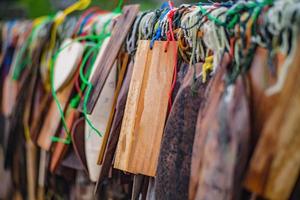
285	9
146	26
215	37
131	40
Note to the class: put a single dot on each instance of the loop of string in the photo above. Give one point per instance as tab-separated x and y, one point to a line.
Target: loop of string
204	28
75	100
170	37
147	25
132	38
158	25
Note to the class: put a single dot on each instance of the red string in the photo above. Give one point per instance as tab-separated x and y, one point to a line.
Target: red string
91	19
231	52
170	19
86	13
95	10
170	37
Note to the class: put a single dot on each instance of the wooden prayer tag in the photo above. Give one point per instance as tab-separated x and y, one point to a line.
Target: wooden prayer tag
275	165
67	62
146	108
104	67
99	119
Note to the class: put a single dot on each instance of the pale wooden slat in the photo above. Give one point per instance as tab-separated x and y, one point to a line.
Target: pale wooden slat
112	112
142	130
128	123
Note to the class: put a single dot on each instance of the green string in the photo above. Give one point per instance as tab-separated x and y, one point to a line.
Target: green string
216	20
85	80
19	67
234	13
54	138
57	139
118	9
75	101
89	85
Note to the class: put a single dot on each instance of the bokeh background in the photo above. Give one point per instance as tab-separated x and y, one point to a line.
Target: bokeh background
10	9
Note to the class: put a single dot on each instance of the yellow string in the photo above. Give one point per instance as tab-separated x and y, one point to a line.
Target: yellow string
26	132
59	19
208	65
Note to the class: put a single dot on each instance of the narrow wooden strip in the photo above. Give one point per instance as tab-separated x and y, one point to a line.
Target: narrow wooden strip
112	112
42	175
99	118
31	151
37	123
146	109
275	164
115	130
118	36
149	131
125	139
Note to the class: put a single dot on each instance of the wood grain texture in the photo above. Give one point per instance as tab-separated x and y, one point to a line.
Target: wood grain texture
112	112
118	36
128	123
146	109
31	152
275	165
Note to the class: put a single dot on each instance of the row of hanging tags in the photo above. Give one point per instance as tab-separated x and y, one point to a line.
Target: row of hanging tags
204	33
46	67
200	33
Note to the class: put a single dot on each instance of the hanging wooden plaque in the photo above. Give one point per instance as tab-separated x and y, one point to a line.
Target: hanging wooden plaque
146	108
275	164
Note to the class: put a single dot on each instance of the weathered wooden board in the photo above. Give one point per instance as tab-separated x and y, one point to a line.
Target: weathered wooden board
275	165
146	109
128	123
118	36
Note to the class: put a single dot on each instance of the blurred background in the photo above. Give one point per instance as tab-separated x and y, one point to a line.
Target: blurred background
10	9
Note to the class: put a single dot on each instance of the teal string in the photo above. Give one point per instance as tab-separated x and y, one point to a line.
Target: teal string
234	13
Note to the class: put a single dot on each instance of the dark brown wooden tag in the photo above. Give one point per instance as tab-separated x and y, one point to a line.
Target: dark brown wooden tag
118	36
